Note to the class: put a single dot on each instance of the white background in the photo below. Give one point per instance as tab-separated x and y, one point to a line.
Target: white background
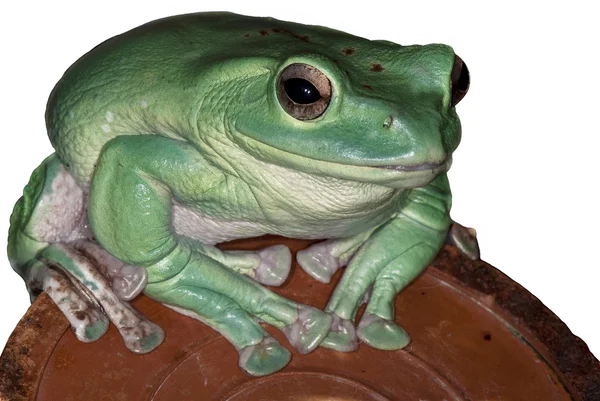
525	175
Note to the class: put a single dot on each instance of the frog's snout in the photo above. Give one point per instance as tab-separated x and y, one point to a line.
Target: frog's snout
459	80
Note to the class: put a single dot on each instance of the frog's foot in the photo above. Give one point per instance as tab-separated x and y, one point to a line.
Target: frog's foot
264	358
309	329
318	262
381	333
139	334
465	239
342	335
275	265
86	319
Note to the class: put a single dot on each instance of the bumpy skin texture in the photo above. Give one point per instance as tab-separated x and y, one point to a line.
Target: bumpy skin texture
171	138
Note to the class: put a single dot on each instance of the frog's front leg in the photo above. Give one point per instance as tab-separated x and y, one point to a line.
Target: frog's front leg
387	262
130	210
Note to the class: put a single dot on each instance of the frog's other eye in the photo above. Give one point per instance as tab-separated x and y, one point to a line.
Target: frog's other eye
459	80
303	91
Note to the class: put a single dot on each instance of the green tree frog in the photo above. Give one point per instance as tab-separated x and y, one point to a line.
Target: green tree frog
204	128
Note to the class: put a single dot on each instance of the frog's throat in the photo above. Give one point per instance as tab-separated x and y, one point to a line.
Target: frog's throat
411	176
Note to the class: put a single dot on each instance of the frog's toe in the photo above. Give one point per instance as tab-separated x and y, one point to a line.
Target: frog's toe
92	326
263	358
318	262
465	239
275	264
142	337
342	335
309	330
129	282
139	334
86	320
382	333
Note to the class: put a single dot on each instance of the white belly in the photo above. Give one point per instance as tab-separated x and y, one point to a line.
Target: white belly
212	230
287	203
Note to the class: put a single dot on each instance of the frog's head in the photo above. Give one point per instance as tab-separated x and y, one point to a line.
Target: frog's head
374	112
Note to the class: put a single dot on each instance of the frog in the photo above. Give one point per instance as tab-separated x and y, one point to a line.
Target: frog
198	129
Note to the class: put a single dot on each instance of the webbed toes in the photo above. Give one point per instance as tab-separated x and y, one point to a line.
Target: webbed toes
275	264
318	262
381	333
342	335
263	358
309	330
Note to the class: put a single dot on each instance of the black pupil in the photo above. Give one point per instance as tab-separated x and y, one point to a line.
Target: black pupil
301	91
463	80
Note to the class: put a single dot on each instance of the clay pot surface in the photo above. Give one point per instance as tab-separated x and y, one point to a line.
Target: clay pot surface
476	334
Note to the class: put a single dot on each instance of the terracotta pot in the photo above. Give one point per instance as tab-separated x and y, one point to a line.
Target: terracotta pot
477	335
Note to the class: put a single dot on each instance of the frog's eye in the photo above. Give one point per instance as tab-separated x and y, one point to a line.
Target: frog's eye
303	91
459	80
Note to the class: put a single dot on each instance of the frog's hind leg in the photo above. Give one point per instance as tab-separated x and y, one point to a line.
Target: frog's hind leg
48	224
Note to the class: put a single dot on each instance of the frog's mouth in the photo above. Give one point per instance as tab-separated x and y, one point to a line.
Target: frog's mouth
418	167
395	176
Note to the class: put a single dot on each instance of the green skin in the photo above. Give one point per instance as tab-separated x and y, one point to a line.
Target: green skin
183	113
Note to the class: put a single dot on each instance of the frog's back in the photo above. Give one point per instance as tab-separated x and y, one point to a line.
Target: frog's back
148	80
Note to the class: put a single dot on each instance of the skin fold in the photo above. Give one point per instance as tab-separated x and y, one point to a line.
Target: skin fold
186	132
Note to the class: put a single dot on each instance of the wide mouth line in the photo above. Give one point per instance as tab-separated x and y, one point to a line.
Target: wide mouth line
356	167
417	167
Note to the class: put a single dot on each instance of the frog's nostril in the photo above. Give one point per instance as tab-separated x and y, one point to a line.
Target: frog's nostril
388	122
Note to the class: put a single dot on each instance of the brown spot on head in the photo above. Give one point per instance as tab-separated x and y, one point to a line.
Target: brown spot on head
376	67
487	336
282	31
369	87
79	315
263	32
348	51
